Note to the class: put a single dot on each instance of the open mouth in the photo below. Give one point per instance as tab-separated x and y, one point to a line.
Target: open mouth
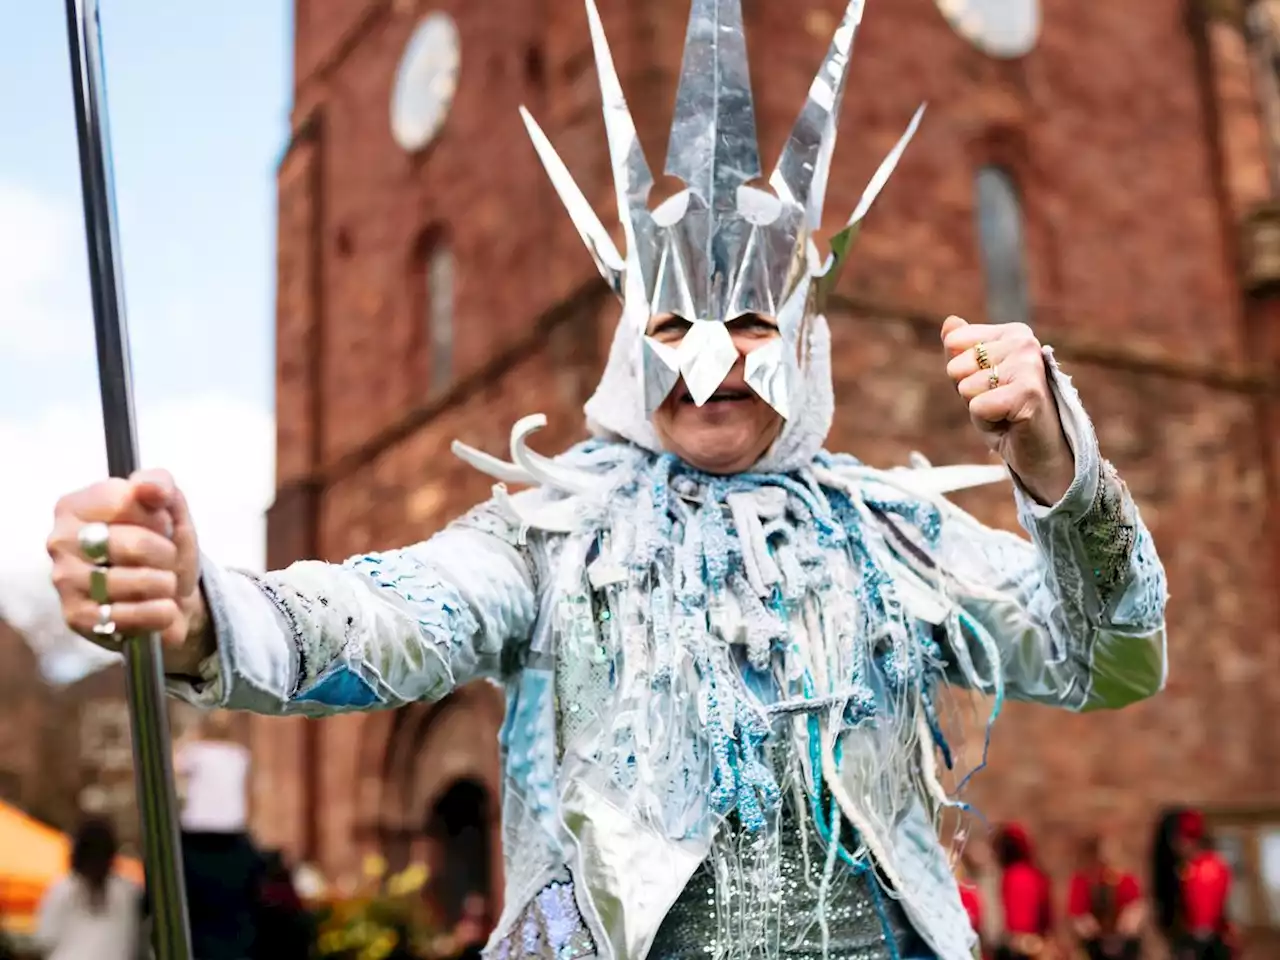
726	395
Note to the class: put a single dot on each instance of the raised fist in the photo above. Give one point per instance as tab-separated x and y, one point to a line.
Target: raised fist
1000	372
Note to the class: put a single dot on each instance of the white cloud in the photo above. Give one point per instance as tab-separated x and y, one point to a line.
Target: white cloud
43	286
220	450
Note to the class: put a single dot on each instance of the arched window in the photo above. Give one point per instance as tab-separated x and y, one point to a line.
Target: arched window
1000	237
434	307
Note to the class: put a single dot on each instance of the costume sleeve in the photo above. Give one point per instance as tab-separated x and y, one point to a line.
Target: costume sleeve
1076	614
379	630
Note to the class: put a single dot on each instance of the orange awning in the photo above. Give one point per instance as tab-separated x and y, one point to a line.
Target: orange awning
32	856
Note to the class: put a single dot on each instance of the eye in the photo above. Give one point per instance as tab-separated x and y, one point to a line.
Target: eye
755	324
669	328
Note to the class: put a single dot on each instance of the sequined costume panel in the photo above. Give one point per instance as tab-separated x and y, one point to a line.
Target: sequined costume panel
718	917
1108	533
550	927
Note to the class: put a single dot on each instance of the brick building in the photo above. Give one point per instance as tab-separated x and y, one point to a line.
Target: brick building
1114	186
28	704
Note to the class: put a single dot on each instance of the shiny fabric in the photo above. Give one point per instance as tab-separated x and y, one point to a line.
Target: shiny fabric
549	927
725	642
713	915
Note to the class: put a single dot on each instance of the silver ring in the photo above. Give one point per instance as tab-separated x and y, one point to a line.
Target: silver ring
993	377
93	539
106	626
98	585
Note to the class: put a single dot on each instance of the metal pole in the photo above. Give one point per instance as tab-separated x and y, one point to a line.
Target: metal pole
148	719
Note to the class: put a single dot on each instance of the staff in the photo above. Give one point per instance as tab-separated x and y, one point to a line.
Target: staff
153	771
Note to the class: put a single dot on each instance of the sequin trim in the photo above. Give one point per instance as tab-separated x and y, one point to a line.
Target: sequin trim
550	927
735	919
1108	533
442	615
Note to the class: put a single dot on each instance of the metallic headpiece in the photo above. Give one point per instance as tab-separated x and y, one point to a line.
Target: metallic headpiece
720	248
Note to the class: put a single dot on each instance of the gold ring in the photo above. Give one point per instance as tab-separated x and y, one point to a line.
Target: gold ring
993	378
980	351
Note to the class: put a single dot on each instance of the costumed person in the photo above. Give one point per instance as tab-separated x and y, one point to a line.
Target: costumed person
93	912
1026	897
724	647
222	867
1105	905
1204	928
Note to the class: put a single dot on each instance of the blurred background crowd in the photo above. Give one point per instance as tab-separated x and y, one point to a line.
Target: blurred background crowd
1104	912
251	903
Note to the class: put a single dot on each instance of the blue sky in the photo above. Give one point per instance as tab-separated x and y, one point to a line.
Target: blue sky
199	100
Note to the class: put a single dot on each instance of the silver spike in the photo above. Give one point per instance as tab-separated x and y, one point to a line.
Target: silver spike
713	147
598	242
842	242
632	178
801	175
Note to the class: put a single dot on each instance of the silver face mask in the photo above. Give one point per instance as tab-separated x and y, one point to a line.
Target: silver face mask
720	248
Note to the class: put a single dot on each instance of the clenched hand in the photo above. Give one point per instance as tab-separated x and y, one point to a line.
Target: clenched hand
999	369
151	570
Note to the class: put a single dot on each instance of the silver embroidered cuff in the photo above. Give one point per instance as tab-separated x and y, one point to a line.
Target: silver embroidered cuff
1108	533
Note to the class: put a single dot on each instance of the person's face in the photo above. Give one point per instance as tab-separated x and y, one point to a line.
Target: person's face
735	427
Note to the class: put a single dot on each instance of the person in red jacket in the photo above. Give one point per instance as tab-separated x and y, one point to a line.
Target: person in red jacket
1206	887
1105	906
1026	897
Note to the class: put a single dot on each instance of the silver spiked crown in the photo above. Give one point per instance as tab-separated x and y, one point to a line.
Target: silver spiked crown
720	248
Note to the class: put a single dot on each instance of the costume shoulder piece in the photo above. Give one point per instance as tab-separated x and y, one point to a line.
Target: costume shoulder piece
578	483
